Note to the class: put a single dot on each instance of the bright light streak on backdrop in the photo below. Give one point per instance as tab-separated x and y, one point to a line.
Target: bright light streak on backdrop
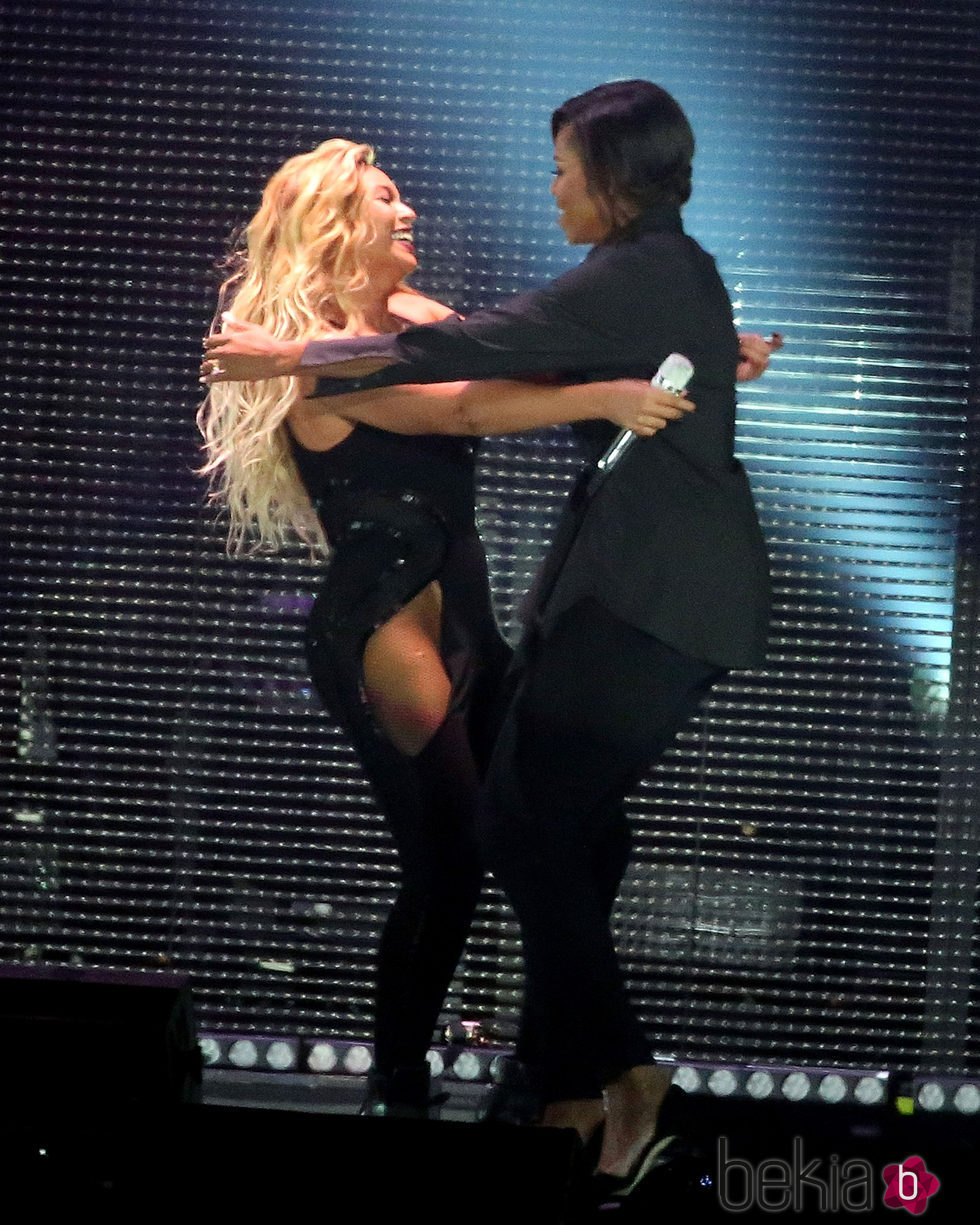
806	872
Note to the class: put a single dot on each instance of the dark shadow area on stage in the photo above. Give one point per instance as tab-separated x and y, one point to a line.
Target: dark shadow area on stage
245	1156
106	1107
777	1161
250	1164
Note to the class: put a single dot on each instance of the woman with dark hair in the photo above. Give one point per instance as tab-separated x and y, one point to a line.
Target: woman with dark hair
635	145
660	588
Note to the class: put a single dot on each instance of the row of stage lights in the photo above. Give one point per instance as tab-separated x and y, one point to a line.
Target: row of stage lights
484	1064
481	1065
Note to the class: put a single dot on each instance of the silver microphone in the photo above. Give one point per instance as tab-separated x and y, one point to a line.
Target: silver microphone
674	375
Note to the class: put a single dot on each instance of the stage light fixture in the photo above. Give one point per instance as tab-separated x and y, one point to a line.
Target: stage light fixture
497	1069
322	1057
931	1096
966	1099
830	1085
210	1051
687	1078
467	1066
871	1090
760	1085
358	1060
281	1055
832	1088
267	1054
722	1082
243	1053
935	1093
488	1064
796	1086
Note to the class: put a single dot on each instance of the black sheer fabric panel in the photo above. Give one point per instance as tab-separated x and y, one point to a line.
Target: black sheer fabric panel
805	883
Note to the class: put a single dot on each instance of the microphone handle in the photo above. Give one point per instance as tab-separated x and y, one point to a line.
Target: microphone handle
674	375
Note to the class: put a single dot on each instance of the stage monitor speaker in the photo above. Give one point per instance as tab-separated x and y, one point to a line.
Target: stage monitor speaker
81	1040
256	1164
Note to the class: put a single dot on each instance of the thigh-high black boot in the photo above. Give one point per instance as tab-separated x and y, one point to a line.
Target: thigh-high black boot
428	801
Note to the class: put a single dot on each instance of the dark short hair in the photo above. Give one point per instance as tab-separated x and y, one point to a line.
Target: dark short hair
635	143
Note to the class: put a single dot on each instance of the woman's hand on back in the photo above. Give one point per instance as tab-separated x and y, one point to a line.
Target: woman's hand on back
754	354
242	352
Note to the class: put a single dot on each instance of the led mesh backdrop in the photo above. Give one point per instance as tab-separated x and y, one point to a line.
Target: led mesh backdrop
805	882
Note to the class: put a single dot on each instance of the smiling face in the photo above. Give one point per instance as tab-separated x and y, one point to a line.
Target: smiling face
390	249
582	216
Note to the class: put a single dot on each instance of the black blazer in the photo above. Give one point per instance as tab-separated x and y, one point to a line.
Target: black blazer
671	542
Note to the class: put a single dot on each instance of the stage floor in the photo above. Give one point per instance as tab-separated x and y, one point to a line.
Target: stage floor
265	1146
759	1161
330	1094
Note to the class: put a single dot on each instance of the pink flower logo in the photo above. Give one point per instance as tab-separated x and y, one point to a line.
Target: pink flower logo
908	1185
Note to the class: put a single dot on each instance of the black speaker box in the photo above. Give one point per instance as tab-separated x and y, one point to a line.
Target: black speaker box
91	1040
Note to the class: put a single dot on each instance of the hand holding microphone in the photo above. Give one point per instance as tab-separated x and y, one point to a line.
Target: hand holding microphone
674	375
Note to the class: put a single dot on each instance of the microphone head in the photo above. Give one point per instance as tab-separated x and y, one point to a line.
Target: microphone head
674	373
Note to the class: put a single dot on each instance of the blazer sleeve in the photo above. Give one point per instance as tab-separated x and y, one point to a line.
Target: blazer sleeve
600	315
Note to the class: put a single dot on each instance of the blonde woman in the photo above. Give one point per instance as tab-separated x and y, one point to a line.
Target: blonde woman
402	643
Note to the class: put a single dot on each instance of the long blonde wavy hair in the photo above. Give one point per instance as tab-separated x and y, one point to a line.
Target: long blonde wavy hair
296	275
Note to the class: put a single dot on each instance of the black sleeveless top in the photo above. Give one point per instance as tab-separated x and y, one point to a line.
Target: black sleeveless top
398	513
435	471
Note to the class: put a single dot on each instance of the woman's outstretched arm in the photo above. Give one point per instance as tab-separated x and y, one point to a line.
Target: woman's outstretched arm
246	351
492	407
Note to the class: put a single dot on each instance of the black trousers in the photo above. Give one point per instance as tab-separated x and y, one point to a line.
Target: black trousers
596	703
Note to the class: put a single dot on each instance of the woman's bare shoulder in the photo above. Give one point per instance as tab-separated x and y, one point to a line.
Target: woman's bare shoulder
417	308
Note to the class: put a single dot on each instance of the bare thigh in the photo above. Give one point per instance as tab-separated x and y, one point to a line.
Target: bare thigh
405	680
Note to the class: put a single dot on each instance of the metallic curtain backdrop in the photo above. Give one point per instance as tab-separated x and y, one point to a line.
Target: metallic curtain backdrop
806	872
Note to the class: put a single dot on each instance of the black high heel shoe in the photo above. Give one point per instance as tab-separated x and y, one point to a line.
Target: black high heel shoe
666	1157
656	1153
512	1099
405	1094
